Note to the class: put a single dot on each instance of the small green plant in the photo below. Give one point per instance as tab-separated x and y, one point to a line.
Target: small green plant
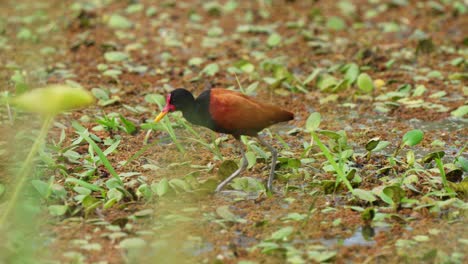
339	142
411	138
164	124
375	145
115	122
59	98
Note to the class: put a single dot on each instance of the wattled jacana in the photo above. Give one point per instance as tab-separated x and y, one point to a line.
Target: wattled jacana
229	112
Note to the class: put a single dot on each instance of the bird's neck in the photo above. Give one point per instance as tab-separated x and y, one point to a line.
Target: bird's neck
198	113
191	114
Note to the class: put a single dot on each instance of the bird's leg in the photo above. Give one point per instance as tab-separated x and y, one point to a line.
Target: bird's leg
238	171
274	157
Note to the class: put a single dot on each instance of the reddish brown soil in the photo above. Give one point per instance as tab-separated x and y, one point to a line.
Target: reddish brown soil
231	242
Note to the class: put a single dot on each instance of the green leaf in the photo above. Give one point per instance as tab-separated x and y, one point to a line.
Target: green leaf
283	233
410	157
43	188
294	217
57	210
113	183
180	185
132	243
251	159
134	8
313	121
365	83
368	214
158	99
114	193
119	22
25	34
321	256
162	187
20	83
130	128
382	144
460	111
90	203
227	168
226	214
274	40
395	193
210	69
196	61
312	76
336	23
115	56
413	137
247	184
84	184
102	157
433	155
325	82
462	162
294	163
419	90
364	195
372	144
330	134
352	72
109	203
59	98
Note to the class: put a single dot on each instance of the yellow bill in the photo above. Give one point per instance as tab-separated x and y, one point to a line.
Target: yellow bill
160	116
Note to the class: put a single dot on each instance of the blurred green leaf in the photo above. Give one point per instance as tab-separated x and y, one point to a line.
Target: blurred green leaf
59	98
210	69
251	159
282	234
351	72
365	83
115	56
274	40
132	243
433	155
336	23
82	183
364	195
395	193
227	168
460	111
119	22
372	144
313	121
162	187
226	214
462	162
413	137
57	210
20	83
43	188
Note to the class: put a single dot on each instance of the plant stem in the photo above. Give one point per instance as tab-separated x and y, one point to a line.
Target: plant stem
328	155
440	165
10	116
26	169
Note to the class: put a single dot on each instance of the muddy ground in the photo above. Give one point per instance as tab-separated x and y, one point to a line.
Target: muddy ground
401	45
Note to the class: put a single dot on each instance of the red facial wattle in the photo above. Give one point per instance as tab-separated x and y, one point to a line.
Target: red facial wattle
168	108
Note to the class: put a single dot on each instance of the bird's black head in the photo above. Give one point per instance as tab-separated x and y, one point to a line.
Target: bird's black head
178	100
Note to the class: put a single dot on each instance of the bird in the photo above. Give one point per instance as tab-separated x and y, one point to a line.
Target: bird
229	112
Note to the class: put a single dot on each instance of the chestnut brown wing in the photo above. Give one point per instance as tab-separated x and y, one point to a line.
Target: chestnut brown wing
239	114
